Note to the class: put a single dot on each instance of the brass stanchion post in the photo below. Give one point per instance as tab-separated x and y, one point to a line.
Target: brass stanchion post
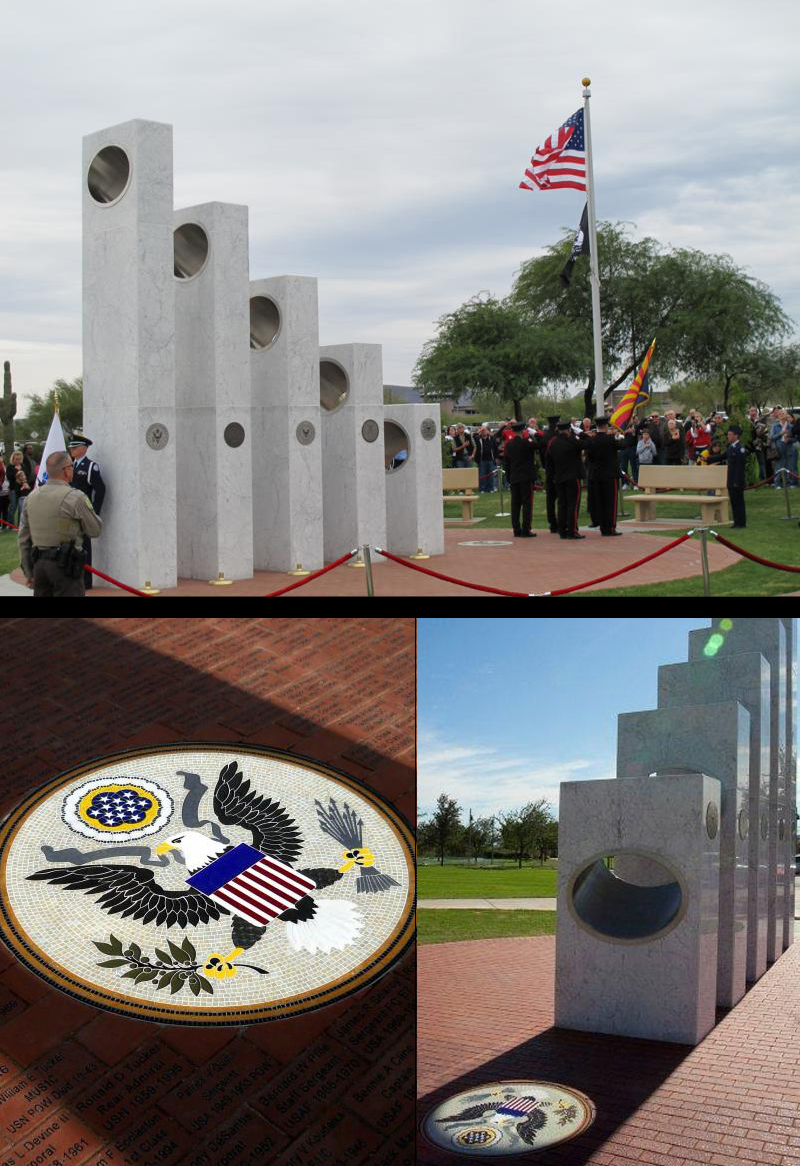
368	566
704	556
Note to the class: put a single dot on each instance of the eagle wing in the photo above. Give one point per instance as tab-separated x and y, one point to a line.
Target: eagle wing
131	890
528	1129
469	1114
235	804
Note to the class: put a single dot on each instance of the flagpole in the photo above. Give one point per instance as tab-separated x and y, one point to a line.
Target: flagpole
599	382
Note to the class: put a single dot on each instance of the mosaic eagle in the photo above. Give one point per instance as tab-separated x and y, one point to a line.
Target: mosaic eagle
527	1110
270	885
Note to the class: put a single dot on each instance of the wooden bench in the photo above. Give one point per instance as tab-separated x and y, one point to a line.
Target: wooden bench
466	480
653	478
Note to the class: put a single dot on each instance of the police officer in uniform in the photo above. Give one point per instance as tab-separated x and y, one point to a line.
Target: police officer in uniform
602	469
88	479
544	449
736	457
522	473
54	524
565	455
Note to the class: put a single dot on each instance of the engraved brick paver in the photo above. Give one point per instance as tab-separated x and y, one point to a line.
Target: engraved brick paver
81	1087
486	1013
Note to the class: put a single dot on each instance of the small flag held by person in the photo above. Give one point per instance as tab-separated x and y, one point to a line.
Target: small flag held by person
561	161
638	394
579	247
54	444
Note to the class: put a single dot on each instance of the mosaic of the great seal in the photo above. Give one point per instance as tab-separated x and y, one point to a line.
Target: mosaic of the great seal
206	883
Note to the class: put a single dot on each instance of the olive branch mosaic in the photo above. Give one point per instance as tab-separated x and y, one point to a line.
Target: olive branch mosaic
174	970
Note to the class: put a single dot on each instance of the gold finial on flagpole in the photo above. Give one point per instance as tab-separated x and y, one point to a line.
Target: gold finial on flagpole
55	400
587	82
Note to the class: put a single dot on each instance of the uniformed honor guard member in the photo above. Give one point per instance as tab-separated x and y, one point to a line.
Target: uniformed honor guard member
602	469
87	478
54	523
736	457
550	486
565	455
520	451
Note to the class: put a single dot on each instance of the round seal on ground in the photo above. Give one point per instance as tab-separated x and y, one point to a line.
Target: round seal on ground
206	883
508	1118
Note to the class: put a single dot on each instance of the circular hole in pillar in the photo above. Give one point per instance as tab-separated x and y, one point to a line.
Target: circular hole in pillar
397	447
265	322
640	898
333	385
108	174
764	826
191	250
744	824
781	830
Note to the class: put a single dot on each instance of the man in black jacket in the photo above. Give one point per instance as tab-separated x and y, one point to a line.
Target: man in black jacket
565	457
522	474
545	441
602	466
736	457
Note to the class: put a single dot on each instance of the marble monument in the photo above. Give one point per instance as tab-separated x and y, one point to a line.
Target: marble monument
414	507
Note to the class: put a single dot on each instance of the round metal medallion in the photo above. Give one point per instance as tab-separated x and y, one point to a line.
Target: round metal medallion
428	429
234	435
370	431
157	436
306	433
781	830
508	1118
744	824
764	825
712	820
153	883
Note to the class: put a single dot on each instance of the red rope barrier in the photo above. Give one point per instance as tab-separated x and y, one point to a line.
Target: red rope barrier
95	571
622	570
308	578
449	578
756	559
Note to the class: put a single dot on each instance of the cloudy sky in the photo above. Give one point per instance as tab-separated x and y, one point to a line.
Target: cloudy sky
509	708
379	147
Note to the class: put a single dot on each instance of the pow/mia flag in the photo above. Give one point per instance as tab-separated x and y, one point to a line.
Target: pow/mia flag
579	247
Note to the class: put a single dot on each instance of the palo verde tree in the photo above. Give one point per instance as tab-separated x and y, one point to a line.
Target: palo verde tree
40	410
488	346
709	316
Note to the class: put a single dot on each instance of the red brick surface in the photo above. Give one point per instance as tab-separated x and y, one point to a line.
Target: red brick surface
81	1087
486	1014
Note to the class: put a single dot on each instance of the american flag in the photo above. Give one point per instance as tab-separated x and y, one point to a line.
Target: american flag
251	884
561	161
518	1106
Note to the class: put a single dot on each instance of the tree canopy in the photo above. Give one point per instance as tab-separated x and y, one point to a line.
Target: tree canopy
713	321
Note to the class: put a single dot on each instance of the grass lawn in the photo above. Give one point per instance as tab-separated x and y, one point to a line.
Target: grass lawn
9	552
768	534
434	926
458	882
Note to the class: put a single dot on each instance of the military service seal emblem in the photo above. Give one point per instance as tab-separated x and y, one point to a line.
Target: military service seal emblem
294	889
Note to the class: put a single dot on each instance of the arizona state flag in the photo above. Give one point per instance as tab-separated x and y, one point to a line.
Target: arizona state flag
637	394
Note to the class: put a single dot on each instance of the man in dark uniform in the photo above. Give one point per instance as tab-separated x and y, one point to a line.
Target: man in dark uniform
545	442
565	455
87	478
522	473
736	457
602	468
54	524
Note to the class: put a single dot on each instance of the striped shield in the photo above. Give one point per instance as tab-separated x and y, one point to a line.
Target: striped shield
251	884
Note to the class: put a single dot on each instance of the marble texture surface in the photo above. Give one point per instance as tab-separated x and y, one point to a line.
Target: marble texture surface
287	475
790	628
353	469
662	988
769	637
414	507
129	355
743	677
212	391
713	739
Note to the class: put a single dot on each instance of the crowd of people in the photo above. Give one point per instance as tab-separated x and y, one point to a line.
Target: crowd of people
17	479
773	438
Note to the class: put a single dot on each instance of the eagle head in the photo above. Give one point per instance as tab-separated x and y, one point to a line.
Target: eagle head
198	850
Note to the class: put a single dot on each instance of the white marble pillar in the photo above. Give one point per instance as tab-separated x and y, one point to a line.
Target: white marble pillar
714	739
744	678
353	468
768	636
129	347
287	442
638	958
414	507
212	380
790	626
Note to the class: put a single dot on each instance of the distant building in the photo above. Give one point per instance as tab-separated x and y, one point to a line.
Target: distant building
402	394
411	396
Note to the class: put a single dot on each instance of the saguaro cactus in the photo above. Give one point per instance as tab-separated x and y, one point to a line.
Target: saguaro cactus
8	407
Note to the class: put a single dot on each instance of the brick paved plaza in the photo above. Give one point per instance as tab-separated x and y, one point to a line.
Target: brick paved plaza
81	1087
486	1014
